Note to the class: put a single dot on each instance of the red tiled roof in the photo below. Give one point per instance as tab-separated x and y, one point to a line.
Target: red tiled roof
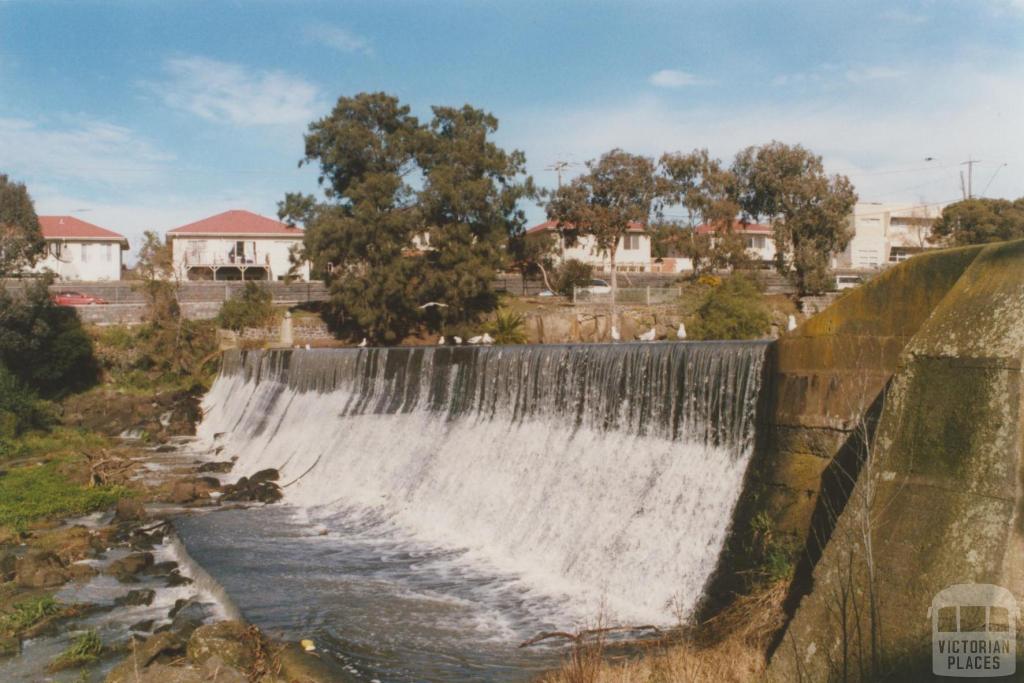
738	226
238	222
69	227
548	226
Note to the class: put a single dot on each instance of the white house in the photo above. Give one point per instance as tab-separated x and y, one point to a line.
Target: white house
237	245
80	251
887	233
632	256
758	239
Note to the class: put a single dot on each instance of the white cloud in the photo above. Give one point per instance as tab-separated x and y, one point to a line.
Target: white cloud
338	37
879	136
231	93
673	78
89	151
873	73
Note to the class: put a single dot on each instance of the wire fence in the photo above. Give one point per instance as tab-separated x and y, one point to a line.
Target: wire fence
627	295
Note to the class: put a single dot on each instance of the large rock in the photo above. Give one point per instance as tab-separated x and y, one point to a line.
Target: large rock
129	565
228	640
129	510
159	648
40	569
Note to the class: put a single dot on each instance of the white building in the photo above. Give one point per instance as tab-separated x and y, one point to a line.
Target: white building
758	239
632	256
237	245
887	233
80	251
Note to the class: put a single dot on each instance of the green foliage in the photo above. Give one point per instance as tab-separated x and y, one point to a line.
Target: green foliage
980	221
85	649
617	190
773	557
533	254
20	234
572	273
465	203
509	327
28	494
699	183
28	612
733	310
254	307
20	409
44	345
808	210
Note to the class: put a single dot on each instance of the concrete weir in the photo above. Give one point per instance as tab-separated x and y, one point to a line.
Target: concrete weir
919	371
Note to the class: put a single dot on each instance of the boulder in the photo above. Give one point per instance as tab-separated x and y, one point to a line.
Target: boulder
269	474
129	565
10	646
82	572
215	669
157	673
40	569
129	510
144	626
219	467
142	596
228	640
182	492
166	646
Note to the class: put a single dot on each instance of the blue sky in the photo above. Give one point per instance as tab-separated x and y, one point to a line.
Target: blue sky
147	115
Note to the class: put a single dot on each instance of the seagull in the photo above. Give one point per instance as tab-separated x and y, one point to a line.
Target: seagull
440	342
475	340
307	347
487	339
681	332
649	335
458	340
615	333
433	303
362	343
791	324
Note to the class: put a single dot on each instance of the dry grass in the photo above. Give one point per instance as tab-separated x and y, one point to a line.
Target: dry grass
730	648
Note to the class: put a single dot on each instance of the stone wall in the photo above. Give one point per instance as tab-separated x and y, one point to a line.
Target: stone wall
939	501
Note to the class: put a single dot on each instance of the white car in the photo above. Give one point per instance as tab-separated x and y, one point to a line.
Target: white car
848	281
597	286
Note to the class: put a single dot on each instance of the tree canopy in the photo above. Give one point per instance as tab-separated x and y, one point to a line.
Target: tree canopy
617	190
979	221
393	183
807	209
21	238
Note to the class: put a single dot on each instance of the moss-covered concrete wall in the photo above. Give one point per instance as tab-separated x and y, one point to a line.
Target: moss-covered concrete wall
825	375
939	501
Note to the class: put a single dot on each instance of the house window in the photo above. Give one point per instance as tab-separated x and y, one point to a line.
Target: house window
110	252
85	252
631	242
56	248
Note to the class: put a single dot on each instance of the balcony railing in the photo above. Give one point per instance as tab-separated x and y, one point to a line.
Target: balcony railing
216	260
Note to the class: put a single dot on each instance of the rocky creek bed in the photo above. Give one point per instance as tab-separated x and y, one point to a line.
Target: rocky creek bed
113	596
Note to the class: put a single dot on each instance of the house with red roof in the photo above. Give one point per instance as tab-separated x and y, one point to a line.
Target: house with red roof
759	238
80	251
237	245
633	254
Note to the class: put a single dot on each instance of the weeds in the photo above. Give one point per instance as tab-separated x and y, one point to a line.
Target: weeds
85	649
509	327
28	613
39	492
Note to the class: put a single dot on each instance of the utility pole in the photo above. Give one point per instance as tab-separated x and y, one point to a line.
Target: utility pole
558	167
970	177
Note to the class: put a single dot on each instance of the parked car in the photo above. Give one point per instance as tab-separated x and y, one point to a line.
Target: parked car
76	299
597	286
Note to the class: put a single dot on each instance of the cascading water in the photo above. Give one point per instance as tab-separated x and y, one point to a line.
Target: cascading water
603	477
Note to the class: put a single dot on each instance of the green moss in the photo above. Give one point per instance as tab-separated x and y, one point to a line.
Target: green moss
85	649
28	494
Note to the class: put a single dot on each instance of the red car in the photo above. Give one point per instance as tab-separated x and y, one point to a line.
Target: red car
76	299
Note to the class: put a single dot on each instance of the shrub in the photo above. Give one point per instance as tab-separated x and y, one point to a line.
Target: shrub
509	327
733	310
44	345
28	494
252	308
571	274
20	408
85	649
28	612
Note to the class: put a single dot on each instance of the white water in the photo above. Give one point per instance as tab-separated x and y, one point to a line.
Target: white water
603	478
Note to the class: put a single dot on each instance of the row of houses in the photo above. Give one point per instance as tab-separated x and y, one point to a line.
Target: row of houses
242	245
